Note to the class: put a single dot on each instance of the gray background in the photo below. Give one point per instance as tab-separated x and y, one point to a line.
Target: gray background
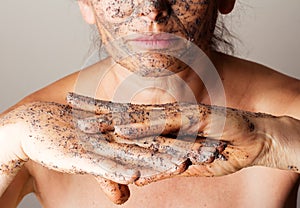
42	41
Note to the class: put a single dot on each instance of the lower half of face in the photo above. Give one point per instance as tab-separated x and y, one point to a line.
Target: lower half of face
153	47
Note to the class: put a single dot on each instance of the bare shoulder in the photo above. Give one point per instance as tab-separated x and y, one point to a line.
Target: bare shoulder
260	88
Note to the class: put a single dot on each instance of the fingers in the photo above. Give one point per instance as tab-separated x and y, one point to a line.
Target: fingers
153	156
147	122
198	151
148	177
55	143
52	140
134	121
101	107
129	154
140	130
108	122
219	167
117	193
69	157
93	105
148	126
95	124
171	123
231	160
126	124
197	165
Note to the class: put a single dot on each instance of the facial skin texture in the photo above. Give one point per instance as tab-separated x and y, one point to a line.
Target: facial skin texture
122	20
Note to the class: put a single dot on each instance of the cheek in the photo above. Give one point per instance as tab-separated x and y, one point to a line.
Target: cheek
189	8
114	11
194	15
133	25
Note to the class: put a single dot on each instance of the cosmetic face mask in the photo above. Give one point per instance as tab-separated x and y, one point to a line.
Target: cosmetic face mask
144	35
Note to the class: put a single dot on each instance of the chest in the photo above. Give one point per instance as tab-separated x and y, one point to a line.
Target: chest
252	187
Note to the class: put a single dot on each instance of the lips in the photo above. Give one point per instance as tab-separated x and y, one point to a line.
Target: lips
153	42
154	37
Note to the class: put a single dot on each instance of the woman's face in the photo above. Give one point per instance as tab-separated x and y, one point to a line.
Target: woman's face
142	35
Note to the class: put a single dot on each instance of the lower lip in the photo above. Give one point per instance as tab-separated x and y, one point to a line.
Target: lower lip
153	44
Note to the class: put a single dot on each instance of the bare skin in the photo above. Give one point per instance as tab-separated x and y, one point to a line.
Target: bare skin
48	190
209	192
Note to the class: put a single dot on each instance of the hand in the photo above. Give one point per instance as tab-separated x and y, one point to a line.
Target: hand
214	140
44	132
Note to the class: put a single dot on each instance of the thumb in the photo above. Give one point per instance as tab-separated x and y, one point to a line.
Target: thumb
117	193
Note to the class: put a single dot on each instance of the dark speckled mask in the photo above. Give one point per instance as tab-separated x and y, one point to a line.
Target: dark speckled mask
177	22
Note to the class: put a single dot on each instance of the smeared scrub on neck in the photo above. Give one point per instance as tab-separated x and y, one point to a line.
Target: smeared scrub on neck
119	20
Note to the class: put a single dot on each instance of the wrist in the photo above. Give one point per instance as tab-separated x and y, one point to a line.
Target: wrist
282	143
288	148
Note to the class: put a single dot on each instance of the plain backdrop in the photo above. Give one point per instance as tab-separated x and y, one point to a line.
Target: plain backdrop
44	40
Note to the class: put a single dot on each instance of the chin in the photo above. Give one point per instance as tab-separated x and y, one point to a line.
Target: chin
153	64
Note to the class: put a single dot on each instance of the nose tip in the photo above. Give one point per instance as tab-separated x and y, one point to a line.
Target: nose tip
157	15
155	10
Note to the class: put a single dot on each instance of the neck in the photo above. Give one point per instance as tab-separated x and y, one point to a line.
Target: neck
121	85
